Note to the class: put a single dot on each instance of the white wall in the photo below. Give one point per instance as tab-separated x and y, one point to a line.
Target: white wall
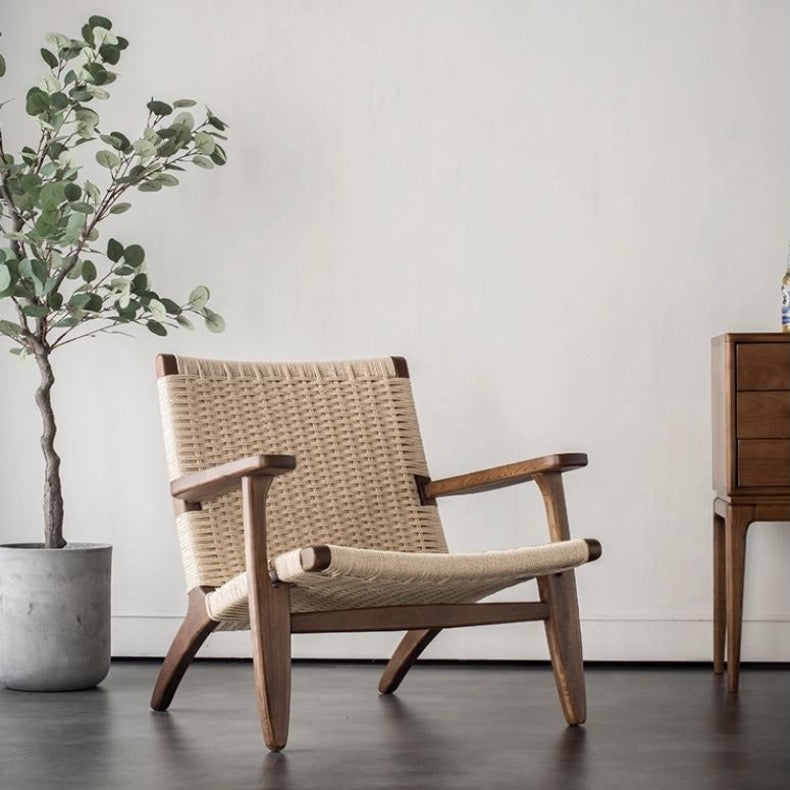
548	207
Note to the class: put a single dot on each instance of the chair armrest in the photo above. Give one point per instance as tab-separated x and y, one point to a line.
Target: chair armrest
216	480
501	476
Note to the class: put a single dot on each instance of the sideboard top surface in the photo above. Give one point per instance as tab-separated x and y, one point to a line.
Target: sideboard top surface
752	337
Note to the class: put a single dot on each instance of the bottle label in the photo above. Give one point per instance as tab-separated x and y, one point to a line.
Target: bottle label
785	305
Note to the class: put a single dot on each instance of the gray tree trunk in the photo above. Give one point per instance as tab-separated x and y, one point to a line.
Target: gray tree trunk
53	495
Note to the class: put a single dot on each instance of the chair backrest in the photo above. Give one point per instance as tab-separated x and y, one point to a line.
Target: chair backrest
353	429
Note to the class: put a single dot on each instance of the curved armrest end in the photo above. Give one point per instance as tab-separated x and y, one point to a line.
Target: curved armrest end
216	480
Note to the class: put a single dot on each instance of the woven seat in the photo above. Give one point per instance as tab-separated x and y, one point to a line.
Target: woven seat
355	578
348	537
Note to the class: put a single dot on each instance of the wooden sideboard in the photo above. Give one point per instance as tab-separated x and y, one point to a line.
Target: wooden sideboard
751	468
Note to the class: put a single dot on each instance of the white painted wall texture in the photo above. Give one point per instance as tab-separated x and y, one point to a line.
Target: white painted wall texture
548	207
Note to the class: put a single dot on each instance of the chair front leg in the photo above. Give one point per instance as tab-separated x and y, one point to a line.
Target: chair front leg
558	591
270	620
270	627
563	633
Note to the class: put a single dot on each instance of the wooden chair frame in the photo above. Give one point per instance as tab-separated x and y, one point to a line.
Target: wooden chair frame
272	622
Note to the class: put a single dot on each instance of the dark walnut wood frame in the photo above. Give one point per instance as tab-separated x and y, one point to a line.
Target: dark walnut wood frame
751	469
272	622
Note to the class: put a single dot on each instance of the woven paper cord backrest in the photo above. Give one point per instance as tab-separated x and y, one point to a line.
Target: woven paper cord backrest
353	429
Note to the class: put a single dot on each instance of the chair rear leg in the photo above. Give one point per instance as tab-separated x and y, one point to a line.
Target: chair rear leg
190	636
407	652
563	632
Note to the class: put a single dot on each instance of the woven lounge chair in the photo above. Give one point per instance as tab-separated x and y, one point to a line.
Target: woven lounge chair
348	538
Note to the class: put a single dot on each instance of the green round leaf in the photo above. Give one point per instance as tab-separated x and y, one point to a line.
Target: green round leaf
107	159
119	208
168	148
110	140
114	250
157	309
184	103
92	191
111	54
202	161
216	123
126	146
87	120
72	192
36	102
26	269
159	107
218	156
166	180
79	300
40	270
2	65
214	321
35	310
184	321
171	307
199	296
135	173
94	303
144	148
156	328
47	223
140	283
185	119
100	21
59	101
49	58
99	75
58	40
52	194
9	328
5	277
75	224
80	94
55	149
88	271
134	255
87	34
69	321
204	143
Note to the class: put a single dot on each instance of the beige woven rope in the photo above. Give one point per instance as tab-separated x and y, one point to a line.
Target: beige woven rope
353	429
363	577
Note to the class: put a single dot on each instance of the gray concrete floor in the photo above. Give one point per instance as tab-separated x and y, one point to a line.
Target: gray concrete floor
451	726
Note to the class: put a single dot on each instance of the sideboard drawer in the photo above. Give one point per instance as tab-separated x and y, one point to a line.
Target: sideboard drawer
763	415
750	378
763	462
763	366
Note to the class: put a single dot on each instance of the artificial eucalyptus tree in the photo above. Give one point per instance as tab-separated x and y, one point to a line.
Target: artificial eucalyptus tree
59	282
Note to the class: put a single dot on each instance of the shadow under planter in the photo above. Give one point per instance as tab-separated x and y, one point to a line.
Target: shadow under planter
54	616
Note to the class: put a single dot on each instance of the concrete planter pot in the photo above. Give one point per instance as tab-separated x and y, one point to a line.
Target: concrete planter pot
54	616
